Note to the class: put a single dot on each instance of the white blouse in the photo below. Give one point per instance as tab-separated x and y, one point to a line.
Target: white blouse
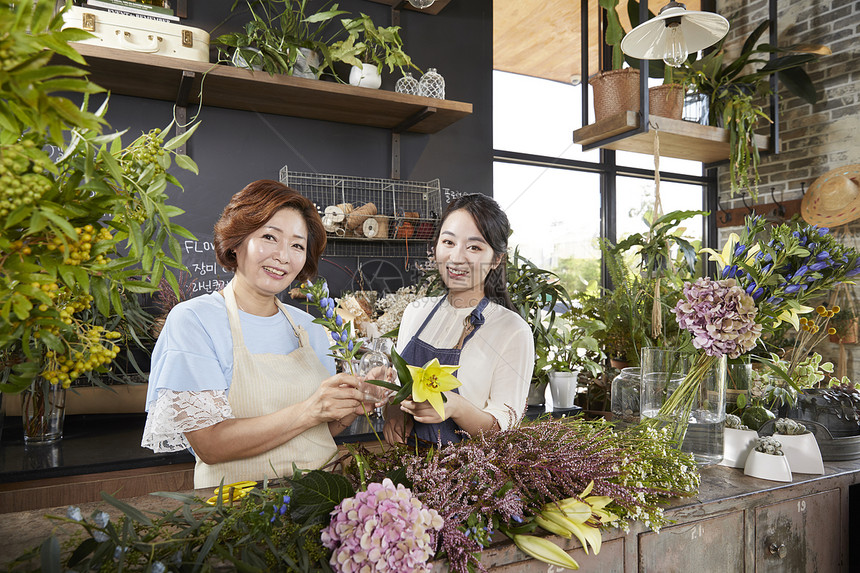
496	364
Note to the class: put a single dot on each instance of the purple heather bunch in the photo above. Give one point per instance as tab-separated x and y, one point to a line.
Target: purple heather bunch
720	316
384	528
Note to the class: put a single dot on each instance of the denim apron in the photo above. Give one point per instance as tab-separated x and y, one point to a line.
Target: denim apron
418	353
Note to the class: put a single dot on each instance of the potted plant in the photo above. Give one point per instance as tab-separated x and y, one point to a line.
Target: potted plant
617	89
281	38
368	48
573	350
734	96
767	461
85	220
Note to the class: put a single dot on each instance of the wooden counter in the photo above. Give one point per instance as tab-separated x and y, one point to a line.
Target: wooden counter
735	524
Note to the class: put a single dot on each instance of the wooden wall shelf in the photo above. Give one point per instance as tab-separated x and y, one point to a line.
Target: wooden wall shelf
160	77
433	9
678	138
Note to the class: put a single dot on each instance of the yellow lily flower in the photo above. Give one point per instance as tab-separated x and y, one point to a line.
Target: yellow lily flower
722	259
792	316
545	550
429	382
552	527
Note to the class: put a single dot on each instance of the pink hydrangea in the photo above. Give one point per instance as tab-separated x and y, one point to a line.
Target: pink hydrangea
382	529
720	316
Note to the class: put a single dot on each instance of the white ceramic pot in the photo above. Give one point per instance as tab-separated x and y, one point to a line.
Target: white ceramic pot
366	76
737	444
767	466
802	452
562	386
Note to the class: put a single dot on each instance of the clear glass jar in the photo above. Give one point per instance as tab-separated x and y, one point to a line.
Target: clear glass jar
407	84
432	84
625	396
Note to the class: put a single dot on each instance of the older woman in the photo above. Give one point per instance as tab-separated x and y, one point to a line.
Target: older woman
242	379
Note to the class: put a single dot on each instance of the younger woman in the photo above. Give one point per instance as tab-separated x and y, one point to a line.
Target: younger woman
474	325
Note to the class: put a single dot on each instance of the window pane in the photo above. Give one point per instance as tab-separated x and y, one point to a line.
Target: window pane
635	205
555	217
537	116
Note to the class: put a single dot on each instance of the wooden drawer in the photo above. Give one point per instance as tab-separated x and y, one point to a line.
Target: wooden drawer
715	544
801	534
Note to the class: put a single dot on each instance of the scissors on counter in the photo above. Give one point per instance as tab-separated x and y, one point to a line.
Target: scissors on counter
231	492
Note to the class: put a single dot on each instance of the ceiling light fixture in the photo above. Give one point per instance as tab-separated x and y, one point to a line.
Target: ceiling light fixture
673	34
421	4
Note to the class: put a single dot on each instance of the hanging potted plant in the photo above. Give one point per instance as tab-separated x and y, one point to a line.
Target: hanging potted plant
281	38
735	98
368	48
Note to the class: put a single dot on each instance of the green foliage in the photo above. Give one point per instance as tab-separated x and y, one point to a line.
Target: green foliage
537	295
80	233
573	345
734	94
368	43
276	31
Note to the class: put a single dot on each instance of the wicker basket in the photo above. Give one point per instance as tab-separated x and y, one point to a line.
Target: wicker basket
666	100
615	91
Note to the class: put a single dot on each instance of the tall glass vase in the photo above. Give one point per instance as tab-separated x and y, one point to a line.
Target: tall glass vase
693	407
43	411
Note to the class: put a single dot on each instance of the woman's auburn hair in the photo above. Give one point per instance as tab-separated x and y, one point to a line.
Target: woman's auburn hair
250	208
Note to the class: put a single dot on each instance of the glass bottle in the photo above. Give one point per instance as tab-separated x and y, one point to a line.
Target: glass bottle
407	84
625	396
432	84
375	363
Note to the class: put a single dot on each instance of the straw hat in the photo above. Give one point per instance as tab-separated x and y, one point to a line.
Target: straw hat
834	198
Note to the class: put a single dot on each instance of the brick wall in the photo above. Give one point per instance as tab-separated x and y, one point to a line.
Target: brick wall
813	138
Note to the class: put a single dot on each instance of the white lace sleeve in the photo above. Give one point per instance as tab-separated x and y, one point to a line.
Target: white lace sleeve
175	413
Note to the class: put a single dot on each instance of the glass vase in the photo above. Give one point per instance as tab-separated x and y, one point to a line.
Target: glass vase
738	382
660	369
432	84
374	364
43	411
407	84
624	396
694	408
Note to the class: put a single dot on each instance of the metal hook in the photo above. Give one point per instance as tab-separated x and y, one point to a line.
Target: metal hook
802	189
780	209
727	216
744	200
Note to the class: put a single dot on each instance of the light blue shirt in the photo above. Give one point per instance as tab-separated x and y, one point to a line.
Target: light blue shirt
194	351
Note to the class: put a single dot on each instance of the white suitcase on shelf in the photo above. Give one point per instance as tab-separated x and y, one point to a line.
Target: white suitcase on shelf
139	34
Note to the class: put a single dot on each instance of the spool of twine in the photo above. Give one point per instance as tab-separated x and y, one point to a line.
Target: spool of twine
346	208
370	228
358	216
335	213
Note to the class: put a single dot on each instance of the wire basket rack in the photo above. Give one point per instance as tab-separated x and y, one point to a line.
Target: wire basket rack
371	209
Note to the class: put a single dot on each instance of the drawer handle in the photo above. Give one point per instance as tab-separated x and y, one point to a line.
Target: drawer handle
780	550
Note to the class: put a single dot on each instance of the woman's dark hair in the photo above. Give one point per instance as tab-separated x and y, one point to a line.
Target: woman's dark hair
250	208
493	224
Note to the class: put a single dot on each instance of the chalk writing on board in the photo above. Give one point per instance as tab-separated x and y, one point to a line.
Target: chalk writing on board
451	194
207	275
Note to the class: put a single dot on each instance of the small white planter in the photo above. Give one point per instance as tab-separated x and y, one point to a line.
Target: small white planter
562	386
802	452
366	76
767	466
737	444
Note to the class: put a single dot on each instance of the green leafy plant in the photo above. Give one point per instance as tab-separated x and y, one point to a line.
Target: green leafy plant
735	94
371	44
81	231
277	32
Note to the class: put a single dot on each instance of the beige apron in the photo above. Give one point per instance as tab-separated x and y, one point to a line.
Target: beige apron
266	383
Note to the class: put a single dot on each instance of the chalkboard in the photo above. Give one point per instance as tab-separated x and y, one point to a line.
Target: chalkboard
206	274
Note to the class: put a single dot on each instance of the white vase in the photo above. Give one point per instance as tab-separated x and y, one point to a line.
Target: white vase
737	444
366	76
562	387
802	452
767	466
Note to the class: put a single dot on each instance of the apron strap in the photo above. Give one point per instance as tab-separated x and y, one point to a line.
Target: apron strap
300	332
233	314
429	316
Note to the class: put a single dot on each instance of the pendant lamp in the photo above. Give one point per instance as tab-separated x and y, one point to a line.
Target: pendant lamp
673	34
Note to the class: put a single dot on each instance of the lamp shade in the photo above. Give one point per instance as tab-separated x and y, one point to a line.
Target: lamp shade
651	40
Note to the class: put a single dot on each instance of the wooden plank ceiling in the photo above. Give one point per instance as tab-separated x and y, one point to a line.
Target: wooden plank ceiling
541	38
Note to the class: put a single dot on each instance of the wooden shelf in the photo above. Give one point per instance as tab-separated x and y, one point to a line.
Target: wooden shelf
159	77
434	9
678	138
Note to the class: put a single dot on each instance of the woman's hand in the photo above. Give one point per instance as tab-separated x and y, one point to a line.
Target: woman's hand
397	426
425	413
337	397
